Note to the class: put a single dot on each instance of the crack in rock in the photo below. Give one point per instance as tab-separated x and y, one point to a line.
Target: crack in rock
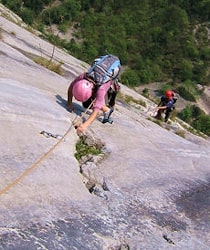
92	176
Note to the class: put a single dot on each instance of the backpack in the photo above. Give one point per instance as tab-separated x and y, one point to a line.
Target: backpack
104	68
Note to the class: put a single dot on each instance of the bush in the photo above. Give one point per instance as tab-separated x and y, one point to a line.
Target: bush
130	78
83	149
56	67
205	53
186	70
185	94
186	114
188	91
145	92
27	16
196	118
202	123
196	111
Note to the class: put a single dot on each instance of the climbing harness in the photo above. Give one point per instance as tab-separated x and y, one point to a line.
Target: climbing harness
44	156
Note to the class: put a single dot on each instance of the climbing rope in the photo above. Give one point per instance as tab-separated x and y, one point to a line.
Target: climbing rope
43	157
151	110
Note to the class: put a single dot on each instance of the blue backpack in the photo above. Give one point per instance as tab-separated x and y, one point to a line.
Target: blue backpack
104	68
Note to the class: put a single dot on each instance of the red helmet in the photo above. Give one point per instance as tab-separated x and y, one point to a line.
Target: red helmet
169	94
82	90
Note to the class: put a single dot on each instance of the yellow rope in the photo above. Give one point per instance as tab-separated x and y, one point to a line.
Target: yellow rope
35	164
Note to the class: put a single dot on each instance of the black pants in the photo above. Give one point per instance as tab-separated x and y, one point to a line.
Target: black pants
109	99
88	102
167	114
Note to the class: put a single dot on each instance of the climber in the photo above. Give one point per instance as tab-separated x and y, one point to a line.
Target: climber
92	86
85	91
166	105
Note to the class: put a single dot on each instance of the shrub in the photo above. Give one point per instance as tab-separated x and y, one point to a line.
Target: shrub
205	53
196	118
185	94
130	78
83	149
145	92
27	16
202	123
56	67
186	70
186	114
188	91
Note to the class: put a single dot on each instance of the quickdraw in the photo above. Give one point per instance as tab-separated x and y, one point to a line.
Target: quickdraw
48	134
43	157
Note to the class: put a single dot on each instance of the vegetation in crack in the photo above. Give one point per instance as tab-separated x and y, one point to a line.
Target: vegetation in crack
56	67
83	149
128	99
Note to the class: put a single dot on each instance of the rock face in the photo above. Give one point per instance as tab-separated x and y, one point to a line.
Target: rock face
151	190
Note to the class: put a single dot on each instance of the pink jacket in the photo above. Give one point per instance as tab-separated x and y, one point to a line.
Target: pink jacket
101	92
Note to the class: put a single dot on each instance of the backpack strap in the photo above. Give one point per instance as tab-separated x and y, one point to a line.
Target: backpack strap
90	79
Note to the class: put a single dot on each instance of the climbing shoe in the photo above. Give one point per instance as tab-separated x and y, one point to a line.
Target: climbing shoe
107	116
110	120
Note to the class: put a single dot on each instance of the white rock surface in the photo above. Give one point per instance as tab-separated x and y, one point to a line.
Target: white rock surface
159	182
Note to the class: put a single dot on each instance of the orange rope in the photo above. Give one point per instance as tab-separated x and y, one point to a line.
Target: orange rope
35	164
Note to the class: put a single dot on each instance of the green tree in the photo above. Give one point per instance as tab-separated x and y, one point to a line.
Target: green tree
196	111
185	70
186	93
186	114
130	78
202	123
27	15
158	40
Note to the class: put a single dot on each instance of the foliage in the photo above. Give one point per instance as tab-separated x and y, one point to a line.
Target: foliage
185	70
188	91
129	99
156	40
28	16
130	78
180	133
145	92
202	123
196	118
83	149
186	114
56	67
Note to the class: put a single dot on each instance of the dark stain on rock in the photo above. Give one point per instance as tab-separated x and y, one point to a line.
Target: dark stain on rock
195	203
165	219
63	234
168	220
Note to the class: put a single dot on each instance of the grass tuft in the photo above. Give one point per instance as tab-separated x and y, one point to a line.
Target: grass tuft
56	67
82	149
